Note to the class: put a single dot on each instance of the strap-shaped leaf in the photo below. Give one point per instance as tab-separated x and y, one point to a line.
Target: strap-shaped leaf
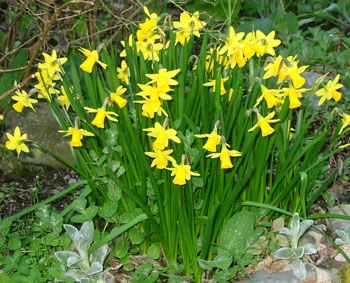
95	268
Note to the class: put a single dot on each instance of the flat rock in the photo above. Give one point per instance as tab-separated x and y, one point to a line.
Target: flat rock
340	224
42	127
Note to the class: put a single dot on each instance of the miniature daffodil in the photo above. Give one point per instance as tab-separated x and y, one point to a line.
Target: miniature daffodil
92	58
162	136
23	100
101	114
161	158
16	141
77	135
225	156
264	124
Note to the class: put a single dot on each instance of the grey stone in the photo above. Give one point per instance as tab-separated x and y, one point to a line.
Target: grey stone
41	127
340	224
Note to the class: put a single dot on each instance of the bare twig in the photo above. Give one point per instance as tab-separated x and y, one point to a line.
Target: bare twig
17	87
46	30
12	70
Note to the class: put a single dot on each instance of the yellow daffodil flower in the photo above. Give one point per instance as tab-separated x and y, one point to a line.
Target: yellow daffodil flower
164	79
63	99
187	26
77	135
346	122
213	140
162	136
225	156
265	43
272	69
23	100
330	91
182	173
232	42
213	84
290	70
248	48
294	95
149	91
101	114
117	97
52	64
16	141
149	48
151	105
92	58
263	123
161	158
123	72
270	97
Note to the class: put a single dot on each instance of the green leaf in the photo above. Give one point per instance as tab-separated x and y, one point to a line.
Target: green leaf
4	278
108	209
235	235
224	276
136	236
121	248
266	25
89	214
14	242
154	251
114	193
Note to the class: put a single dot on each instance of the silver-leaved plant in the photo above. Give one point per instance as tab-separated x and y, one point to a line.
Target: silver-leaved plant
82	266
296	230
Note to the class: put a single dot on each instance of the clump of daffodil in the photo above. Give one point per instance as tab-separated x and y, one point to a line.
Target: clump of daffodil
16	141
91	60
117	97
212	83
77	135
213	139
123	72
23	100
225	156
330	91
148	36
52	64
63	99
182	172
161	158
264	123
162	135
186	26
270	96
101	114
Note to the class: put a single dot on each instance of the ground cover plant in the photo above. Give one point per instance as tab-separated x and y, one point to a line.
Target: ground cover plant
184	140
